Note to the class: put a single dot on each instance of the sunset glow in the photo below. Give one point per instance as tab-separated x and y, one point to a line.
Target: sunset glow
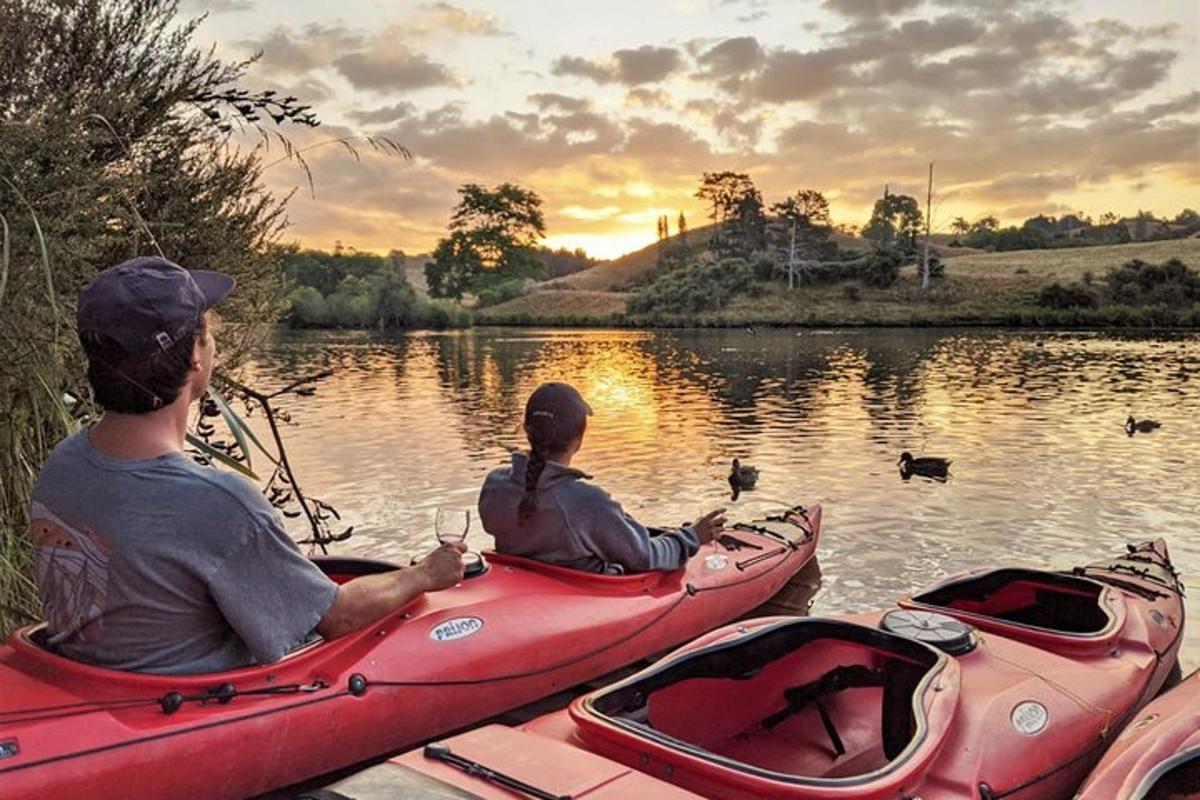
612	113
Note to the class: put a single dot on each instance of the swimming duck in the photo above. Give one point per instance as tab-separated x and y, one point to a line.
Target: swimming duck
1140	426
742	477
926	466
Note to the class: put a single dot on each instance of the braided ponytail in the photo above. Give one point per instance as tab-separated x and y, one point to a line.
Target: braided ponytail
540	429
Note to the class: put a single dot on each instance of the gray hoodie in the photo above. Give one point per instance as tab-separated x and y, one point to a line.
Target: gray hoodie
576	524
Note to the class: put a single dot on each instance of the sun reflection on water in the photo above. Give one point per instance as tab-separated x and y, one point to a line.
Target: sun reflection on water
1042	474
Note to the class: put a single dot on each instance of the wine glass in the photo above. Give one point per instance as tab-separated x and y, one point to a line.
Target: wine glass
451	525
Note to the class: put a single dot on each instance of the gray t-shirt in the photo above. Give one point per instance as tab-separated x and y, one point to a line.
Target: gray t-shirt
163	565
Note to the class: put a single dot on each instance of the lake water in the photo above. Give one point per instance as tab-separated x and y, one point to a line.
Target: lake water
1043	474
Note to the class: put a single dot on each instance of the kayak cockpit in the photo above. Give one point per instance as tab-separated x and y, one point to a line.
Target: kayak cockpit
342	569
1025	603
1175	779
801	701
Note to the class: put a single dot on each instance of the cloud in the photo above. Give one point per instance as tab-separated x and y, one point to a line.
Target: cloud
382	62
1018	186
519	143
394	68
385	114
790	75
648	98
314	46
727	61
215	6
736	129
447	18
631	67
870	9
545	101
646	64
583	68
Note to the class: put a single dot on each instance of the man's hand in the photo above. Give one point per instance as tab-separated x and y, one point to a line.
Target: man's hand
443	567
708	526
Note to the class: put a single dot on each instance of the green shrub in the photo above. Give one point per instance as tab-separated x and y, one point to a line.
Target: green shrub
1058	296
1137	283
500	292
309	309
441	314
706	286
881	268
852	292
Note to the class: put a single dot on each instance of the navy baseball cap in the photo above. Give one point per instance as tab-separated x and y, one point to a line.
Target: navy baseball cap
148	304
561	402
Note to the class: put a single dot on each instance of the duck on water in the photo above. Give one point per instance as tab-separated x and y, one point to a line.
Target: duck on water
1133	426
924	466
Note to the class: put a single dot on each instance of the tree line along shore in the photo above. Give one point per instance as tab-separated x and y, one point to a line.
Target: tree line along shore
785	263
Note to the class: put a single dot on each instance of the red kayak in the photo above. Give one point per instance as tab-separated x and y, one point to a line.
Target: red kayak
518	632
1158	756
534	767
996	684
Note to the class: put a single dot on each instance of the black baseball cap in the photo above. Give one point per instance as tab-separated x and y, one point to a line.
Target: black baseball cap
560	402
148	304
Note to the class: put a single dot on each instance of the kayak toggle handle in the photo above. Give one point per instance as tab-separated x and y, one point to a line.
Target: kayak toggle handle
779	537
442	752
222	694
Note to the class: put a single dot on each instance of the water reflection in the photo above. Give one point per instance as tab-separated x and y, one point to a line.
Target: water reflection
1043	471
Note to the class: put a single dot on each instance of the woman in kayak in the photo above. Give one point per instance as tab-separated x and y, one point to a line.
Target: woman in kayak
540	507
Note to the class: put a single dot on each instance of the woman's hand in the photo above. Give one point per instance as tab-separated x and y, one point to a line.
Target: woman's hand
709	526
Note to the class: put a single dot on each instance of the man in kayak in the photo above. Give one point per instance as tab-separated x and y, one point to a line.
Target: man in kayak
146	560
540	507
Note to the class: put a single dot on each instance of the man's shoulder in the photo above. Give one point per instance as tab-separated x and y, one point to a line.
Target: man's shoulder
234	488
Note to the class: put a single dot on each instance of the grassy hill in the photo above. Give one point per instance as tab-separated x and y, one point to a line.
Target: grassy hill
620	273
978	288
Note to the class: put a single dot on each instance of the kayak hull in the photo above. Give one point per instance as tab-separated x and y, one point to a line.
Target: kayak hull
1158	755
450	659
553	768
1022	711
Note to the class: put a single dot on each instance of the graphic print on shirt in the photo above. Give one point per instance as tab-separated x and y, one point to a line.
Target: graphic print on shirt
72	573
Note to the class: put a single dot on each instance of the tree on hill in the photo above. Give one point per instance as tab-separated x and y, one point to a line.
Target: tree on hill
960	226
737	211
895	220
804	218
493	235
682	227
988	223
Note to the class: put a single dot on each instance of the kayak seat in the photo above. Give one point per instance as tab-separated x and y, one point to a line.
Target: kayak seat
808	698
1048	601
341	569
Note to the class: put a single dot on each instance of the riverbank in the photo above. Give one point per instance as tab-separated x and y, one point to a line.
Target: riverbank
978	289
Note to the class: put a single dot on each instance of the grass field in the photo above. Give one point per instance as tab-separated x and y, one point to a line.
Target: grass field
978	289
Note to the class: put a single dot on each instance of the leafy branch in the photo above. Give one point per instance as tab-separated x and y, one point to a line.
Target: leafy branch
282	489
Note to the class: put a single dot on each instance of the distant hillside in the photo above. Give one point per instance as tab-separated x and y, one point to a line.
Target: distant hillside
619	273
978	289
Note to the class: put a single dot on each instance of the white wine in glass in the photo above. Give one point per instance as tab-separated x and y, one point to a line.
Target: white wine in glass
452	524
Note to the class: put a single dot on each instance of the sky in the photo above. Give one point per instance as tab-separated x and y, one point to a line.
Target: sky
612	111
